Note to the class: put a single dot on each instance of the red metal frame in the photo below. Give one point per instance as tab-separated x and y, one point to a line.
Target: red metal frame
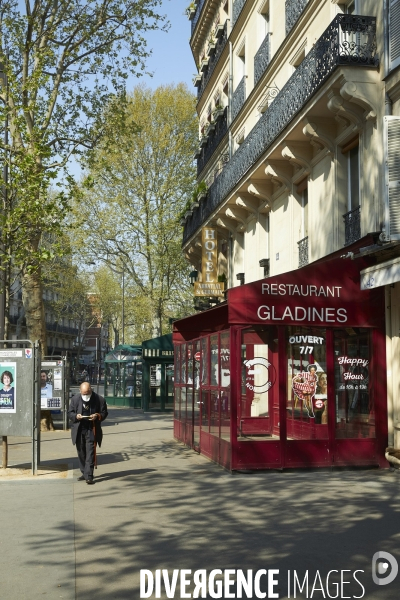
236	454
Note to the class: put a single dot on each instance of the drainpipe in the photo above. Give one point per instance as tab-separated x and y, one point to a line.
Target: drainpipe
386	52
230	98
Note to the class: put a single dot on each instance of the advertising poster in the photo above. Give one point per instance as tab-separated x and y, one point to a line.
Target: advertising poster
8	397
50	388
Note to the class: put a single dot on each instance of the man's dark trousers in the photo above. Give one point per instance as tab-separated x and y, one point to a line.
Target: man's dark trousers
85	448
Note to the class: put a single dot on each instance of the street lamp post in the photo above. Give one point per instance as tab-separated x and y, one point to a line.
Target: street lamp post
114	239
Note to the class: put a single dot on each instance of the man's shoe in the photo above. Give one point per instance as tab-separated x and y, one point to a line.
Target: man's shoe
81	478
90	481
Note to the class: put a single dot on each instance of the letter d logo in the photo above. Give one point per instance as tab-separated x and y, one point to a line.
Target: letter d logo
380	568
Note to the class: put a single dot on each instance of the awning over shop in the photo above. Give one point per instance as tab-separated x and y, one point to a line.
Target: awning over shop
124	352
385	273
158	347
163	342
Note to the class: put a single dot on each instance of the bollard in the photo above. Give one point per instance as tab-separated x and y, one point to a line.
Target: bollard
5	452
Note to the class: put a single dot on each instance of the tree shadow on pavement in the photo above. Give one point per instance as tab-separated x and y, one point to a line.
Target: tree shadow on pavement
176	510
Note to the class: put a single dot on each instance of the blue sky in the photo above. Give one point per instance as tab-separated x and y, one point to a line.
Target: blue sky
172	60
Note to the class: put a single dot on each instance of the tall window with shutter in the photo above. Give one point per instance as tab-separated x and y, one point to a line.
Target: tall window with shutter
392	177
394	33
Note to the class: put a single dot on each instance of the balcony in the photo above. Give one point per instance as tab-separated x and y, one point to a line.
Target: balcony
200	4
262	58
212	61
332	50
352	226
237	9
213	140
293	10
303	252
239	98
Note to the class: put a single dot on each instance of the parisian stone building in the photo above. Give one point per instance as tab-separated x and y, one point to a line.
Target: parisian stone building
299	152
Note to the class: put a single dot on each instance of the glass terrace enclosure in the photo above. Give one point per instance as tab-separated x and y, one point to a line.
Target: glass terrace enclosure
289	372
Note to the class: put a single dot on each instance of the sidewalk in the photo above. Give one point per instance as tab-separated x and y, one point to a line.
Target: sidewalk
158	505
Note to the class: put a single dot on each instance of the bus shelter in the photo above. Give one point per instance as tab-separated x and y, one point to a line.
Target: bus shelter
158	374
123	376
288	372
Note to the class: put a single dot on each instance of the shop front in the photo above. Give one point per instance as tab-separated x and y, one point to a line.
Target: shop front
158	374
289	372
123	376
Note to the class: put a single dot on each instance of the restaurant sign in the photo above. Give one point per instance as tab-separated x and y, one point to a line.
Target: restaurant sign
325	293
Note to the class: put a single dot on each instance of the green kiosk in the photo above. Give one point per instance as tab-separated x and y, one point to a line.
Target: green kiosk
158	374
123	376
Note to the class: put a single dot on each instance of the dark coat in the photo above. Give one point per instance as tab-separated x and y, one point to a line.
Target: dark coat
97	405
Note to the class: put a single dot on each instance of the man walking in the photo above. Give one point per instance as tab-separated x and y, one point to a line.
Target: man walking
86	411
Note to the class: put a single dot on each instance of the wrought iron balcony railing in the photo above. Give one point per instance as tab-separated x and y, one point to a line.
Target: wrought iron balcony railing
200	4
221	128
293	10
303	252
239	97
262	58
220	43
352	226
237	9
336	47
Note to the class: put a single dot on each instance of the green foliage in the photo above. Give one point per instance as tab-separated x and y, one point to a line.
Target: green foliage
199	189
66	62
139	184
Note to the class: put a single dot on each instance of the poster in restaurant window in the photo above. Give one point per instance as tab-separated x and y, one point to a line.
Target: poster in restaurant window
8	396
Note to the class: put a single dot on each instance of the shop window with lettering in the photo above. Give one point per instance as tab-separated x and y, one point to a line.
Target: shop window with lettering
177	364
258	414
307	387
214	352
205	362
214	381
355	412
196	393
225	382
189	365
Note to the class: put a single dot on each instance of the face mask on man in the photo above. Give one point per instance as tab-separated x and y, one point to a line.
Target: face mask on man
86	397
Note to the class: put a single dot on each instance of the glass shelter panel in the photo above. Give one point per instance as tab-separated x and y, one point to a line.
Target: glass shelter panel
258	412
355	410
307	396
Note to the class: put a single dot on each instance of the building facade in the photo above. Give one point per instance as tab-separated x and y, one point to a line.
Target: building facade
62	332
299	149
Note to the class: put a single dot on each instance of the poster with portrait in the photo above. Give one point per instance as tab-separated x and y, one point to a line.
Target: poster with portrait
8	398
